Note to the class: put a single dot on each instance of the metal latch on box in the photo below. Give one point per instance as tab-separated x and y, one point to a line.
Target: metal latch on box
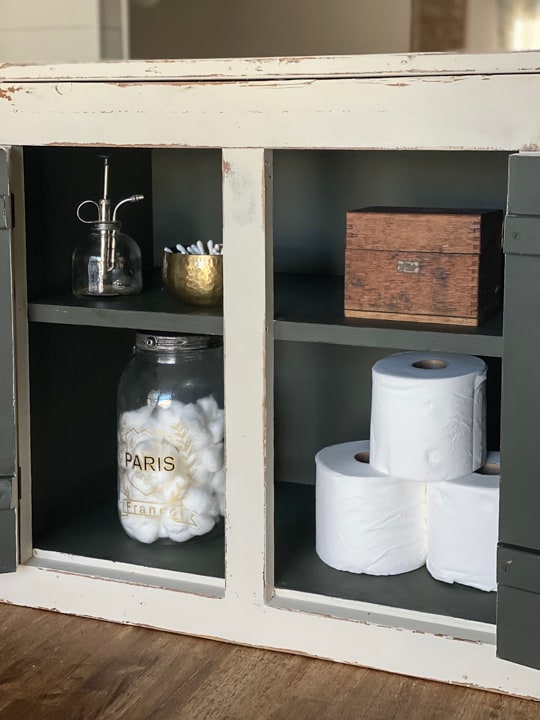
5	212
408	266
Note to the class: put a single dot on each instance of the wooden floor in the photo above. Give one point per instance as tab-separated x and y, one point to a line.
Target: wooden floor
57	667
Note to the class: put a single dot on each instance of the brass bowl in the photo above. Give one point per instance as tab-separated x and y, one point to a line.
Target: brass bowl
195	279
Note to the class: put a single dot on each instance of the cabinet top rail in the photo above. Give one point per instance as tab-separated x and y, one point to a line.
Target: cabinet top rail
269	68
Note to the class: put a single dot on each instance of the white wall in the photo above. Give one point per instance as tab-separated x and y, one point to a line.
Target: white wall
88	30
258	28
35	31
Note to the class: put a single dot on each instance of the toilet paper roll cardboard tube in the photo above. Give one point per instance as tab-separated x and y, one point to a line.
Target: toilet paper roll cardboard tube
430	364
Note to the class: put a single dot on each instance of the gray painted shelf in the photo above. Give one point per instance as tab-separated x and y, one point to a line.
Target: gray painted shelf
309	308
297	567
154	309
98	534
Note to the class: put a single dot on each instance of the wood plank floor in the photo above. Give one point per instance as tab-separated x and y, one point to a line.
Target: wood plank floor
57	667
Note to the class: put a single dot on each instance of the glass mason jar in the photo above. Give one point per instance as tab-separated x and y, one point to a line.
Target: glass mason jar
171	478
107	262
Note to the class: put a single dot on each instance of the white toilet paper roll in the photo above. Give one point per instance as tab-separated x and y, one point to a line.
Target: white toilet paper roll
367	522
428	415
462	527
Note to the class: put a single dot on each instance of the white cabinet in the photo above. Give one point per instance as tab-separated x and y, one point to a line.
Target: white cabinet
266	155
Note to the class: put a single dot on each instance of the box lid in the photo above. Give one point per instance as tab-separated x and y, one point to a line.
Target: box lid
434	230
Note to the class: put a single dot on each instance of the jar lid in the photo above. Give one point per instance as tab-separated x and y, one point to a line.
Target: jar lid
173	343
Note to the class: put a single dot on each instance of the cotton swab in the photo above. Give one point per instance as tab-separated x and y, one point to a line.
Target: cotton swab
199	248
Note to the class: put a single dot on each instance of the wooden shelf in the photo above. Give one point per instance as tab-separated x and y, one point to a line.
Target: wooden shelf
309	308
99	535
297	567
153	309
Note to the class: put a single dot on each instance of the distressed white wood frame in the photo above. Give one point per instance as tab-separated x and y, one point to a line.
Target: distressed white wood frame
248	108
248	334
269	68
431	113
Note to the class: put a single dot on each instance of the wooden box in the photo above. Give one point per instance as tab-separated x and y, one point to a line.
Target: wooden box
435	266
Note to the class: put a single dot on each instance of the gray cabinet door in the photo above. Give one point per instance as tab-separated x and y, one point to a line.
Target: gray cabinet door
8	461
518	600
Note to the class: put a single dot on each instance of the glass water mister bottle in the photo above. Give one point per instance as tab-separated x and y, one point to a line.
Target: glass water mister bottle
107	262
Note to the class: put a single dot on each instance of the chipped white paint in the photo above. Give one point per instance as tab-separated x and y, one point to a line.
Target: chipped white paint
248	287
427	113
386	616
267	68
386	102
126	573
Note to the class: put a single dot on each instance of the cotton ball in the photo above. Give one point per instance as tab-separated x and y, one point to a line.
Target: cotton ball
192	518
142	485
192	413
173	524
157	487
132	485
208	407
146	533
163	478
212	457
203	524
213	416
216	428
175	408
171	520
173	527
181	534
213	506
199	436
170	415
192	429
218	481
175	489
201	474
197	500
131	491
221	502
201	503
140	419
144	529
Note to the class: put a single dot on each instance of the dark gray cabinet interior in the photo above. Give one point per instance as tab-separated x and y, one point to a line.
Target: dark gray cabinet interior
322	360
79	347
